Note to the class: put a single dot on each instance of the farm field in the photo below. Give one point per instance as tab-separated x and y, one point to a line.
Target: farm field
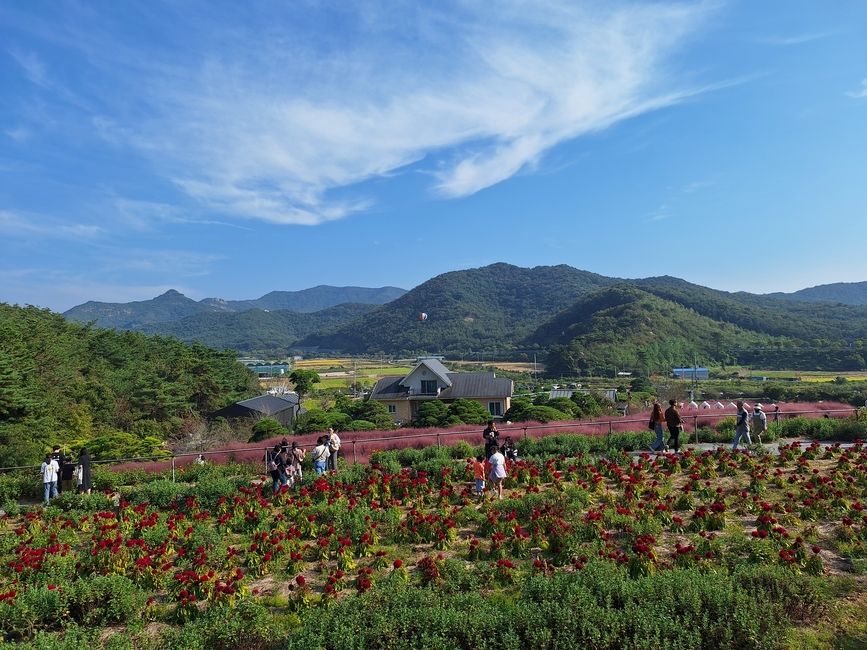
708	549
806	375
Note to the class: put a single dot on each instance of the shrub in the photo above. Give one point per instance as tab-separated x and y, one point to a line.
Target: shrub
100	600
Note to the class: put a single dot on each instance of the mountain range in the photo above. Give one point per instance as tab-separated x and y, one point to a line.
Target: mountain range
583	321
173	305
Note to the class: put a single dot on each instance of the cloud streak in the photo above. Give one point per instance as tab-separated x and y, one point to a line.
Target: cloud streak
284	125
861	93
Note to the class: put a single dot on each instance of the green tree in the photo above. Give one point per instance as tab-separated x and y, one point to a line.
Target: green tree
312	421
431	414
267	428
303	381
467	411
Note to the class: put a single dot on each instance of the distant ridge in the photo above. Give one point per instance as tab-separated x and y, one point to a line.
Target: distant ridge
847	293
172	306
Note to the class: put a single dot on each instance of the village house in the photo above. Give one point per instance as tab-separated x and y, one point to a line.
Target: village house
431	380
283	408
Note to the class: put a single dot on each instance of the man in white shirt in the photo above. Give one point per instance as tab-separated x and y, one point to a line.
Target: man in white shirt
49	470
333	447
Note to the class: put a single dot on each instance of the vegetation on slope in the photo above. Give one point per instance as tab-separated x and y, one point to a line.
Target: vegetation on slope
63	382
256	331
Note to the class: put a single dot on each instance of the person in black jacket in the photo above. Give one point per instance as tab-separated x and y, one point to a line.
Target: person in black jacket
58	455
85	481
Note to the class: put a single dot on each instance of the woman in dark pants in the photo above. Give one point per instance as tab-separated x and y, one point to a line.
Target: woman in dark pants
85	484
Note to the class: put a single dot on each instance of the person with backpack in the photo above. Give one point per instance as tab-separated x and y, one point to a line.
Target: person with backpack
655	424
333	448
760	421
58	455
675	425
321	452
742	426
272	458
50	471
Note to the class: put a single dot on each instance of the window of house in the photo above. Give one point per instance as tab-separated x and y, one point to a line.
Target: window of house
392	408
429	386
495	408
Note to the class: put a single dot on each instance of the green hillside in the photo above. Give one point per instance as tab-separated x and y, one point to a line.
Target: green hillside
310	300
63	382
256	331
848	293
627	328
169	306
489	308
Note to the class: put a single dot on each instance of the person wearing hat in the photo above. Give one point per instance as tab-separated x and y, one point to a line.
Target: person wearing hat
760	421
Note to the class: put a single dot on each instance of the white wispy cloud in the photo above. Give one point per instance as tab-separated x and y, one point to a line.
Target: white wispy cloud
31	64
16	224
792	39
273	121
861	92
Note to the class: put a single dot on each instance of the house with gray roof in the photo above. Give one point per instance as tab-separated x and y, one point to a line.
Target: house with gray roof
283	408
431	380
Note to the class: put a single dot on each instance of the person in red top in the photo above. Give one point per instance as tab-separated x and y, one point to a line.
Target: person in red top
479	474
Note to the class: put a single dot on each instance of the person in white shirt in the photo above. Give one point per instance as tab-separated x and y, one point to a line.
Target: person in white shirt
333	447
49	470
321	452
498	471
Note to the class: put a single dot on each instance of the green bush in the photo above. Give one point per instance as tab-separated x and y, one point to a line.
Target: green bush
101	600
161	493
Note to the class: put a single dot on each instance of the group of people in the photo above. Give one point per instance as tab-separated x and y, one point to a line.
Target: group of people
60	474
285	461
493	464
671	419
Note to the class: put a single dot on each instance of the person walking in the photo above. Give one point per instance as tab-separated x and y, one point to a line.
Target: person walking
321	452
84	480
272	457
333	448
478	466
656	421
760	421
675	425
777	412
742	426
58	455
297	454
50	471
498	471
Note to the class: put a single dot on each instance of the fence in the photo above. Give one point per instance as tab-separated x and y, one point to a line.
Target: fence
605	427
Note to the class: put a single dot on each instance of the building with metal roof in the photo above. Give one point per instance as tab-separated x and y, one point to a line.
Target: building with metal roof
283	408
431	380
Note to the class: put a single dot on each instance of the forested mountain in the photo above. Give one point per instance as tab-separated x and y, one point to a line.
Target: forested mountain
489	308
255	331
627	328
848	293
310	300
173	306
595	321
63	382
170	306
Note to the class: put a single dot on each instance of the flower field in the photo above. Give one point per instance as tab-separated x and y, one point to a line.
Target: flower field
708	549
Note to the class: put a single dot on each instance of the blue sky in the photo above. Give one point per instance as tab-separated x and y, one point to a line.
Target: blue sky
229	149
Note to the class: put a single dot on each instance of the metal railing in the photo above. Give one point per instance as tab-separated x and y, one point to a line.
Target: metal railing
605	427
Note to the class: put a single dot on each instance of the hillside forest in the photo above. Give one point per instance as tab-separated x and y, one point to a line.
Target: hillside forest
121	393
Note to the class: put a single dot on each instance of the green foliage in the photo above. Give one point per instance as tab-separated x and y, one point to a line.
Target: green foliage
304	381
313	421
431	414
266	428
63	382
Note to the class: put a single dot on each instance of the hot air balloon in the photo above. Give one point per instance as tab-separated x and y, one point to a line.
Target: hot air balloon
422	316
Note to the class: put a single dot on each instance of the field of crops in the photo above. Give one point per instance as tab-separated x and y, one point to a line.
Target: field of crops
707	549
